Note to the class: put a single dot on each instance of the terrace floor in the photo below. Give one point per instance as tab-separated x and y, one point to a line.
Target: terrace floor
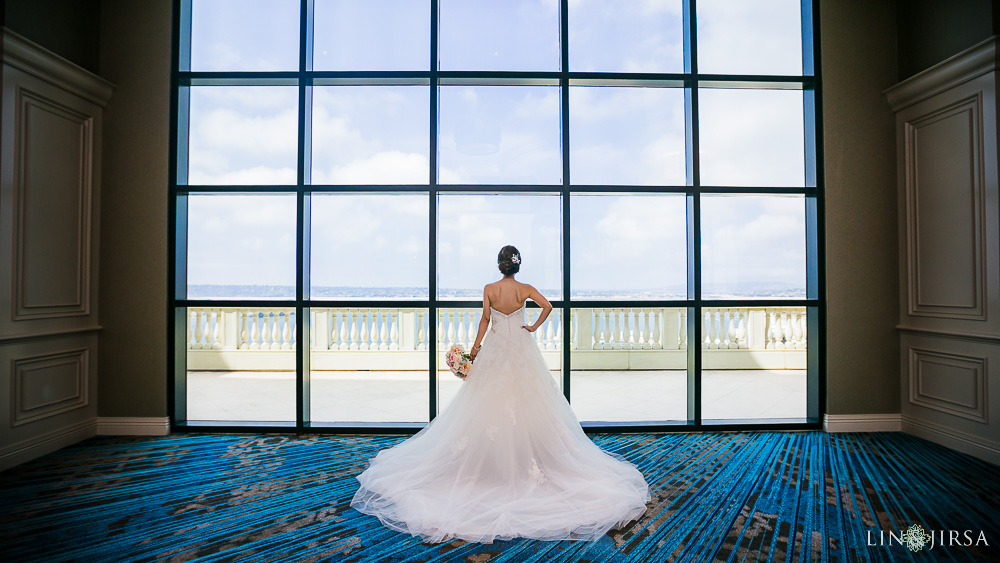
402	396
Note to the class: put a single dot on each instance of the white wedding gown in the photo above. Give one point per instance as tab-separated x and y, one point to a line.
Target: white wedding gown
506	459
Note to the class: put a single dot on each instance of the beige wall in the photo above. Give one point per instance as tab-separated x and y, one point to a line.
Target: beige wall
135	56
859	62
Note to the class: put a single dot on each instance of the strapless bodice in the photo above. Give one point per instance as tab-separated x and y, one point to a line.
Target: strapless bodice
506	325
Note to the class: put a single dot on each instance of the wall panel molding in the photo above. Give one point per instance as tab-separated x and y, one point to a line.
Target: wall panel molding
20	53
50	193
967	65
52	209
48	384
947	150
948	382
944	188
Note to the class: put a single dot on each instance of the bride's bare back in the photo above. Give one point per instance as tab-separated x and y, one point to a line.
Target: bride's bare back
507	295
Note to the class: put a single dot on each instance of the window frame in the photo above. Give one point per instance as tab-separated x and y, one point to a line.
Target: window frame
182	78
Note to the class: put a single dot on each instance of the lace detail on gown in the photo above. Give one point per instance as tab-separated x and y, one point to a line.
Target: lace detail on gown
507	458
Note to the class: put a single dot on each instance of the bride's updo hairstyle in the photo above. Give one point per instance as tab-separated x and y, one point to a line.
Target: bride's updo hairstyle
509	260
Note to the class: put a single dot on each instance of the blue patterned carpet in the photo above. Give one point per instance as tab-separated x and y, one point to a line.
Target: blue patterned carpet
746	496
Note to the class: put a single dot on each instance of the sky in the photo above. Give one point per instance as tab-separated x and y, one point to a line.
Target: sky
498	135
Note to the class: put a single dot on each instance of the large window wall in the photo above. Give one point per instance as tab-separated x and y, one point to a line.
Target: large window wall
345	172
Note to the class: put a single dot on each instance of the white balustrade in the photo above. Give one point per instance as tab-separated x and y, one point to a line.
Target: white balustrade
365	331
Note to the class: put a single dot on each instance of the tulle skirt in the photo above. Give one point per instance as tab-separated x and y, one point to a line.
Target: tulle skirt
506	459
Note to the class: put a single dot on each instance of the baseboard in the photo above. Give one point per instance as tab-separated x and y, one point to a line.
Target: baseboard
986	450
133	425
26	450
862	422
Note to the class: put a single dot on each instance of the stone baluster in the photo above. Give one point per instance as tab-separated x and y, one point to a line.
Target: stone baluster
625	329
730	336
774	330
574	317
643	329
286	334
741	330
463	333
254	330
265	331
595	329
442	334
244	330
354	336
804	327
609	329
217	331
334	329
550	332
452	329
420	331
557	332
383	333
364	343
393	331
708	330
786	330
657	343
341	330
199	330
682	331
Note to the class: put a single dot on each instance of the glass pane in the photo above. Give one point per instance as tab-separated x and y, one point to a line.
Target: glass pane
626	36
241	246
755	37
490	35
627	136
245	35
370	135
243	135
753	364
369	246
372	35
459	325
629	365
628	246
499	135
753	246
751	137
241	364
473	228
369	365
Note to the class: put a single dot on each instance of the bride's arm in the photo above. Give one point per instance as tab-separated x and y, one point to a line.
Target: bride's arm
484	323
543	303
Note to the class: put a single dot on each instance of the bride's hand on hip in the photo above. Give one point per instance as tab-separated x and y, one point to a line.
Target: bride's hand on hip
528	328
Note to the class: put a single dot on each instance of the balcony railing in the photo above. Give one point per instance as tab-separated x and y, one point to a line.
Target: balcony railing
615	338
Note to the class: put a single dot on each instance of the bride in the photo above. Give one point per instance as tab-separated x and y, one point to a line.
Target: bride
507	458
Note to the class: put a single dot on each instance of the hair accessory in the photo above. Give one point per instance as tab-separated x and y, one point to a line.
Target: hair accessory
516	258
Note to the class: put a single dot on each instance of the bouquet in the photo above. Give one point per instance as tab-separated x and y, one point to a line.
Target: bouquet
459	362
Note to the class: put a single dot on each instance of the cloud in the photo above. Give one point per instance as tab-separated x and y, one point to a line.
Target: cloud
760	37
752	137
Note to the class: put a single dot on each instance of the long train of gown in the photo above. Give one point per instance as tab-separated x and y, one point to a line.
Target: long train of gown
506	459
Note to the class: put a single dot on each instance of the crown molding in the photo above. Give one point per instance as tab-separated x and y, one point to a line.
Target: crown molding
21	53
970	63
